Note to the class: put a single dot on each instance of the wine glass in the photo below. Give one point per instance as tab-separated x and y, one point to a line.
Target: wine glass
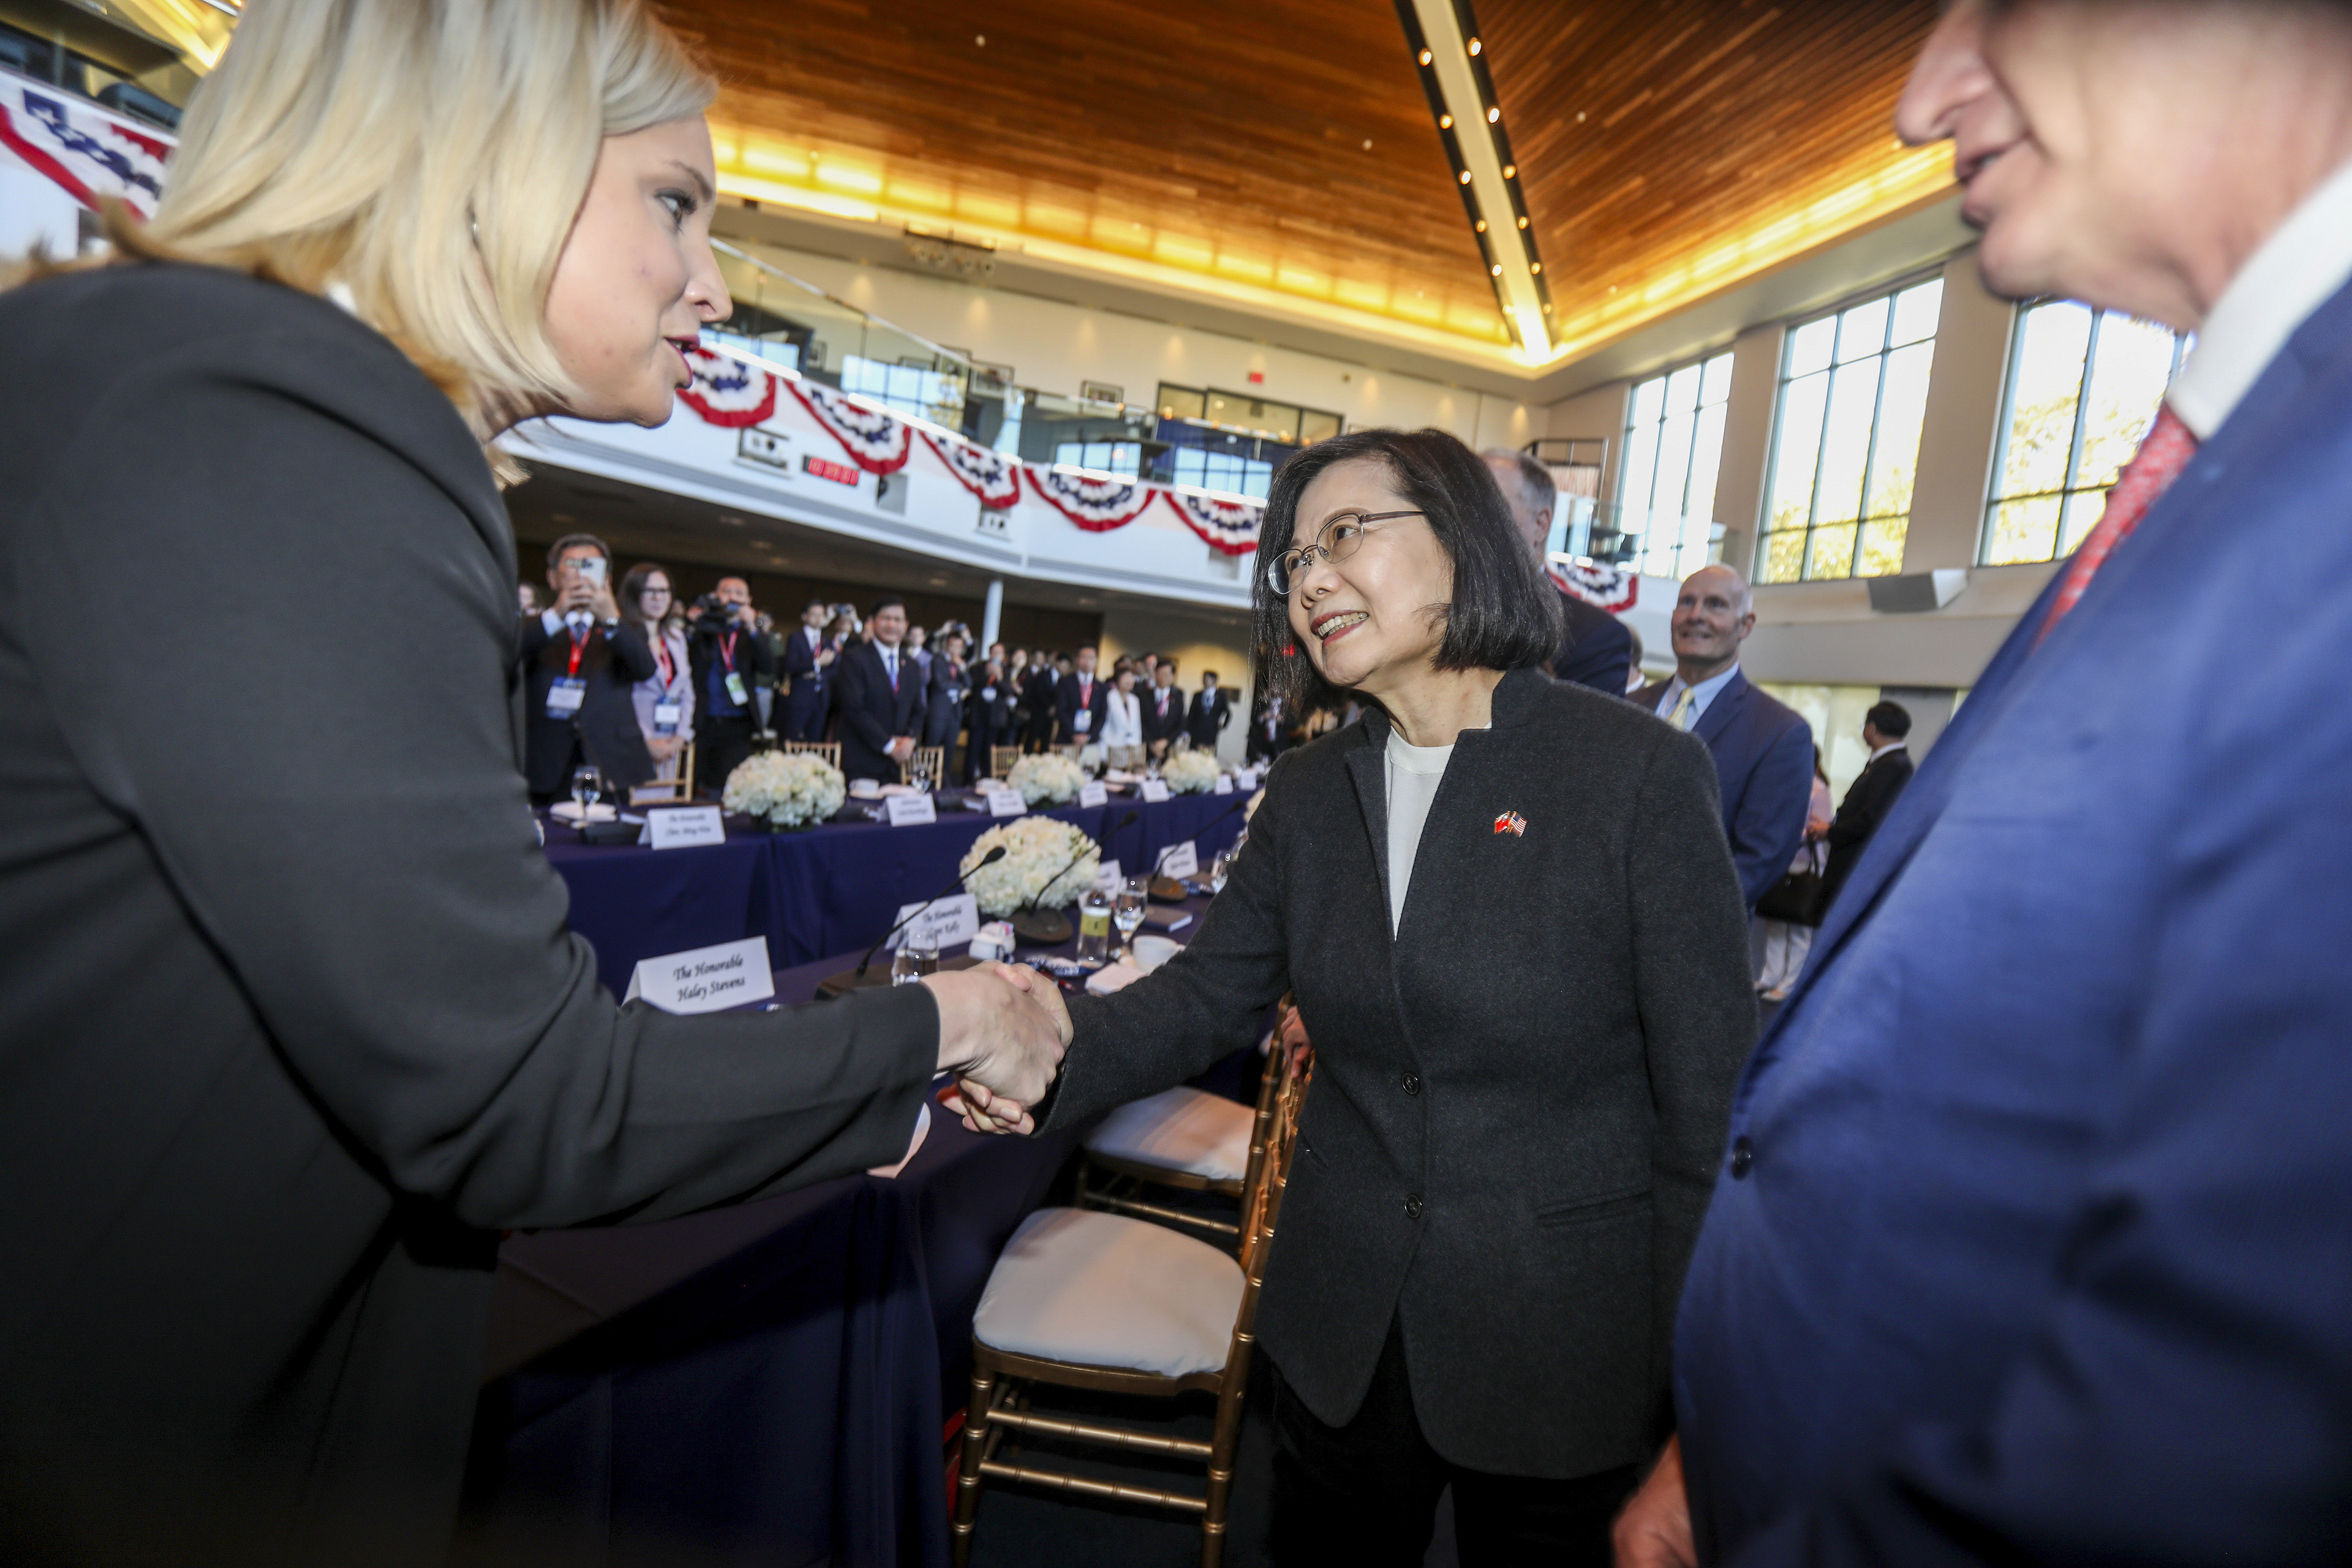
1126	912
587	784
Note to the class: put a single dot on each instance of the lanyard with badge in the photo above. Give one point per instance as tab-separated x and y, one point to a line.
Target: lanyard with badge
564	694
668	711
735	691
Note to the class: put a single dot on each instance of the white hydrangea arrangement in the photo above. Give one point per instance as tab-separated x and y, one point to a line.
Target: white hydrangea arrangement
1049	777
1035	849
1189	773
790	789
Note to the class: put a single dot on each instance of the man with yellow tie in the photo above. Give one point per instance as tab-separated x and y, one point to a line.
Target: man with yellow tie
1763	750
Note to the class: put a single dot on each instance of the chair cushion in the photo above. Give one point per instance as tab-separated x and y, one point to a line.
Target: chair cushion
1182	1129
1103	1289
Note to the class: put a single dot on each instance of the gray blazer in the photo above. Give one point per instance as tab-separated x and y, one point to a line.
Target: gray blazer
292	1024
1518	1103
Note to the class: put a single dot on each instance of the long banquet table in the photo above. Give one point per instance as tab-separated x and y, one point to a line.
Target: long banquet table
765	1383
827	890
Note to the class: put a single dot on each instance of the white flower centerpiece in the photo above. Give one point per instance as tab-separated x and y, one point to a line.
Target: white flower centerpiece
1189	773
785	789
1037	850
1046	777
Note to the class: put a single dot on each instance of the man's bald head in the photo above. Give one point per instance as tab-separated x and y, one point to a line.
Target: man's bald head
1713	613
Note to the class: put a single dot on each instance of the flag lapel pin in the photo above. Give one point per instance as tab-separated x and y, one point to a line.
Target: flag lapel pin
1512	823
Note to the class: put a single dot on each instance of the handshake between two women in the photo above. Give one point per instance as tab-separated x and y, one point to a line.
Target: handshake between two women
1002	1029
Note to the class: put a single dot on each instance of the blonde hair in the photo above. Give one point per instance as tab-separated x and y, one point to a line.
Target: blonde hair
427	156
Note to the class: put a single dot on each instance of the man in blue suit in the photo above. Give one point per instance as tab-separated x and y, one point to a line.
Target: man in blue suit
1763	750
2033	1242
1598	649
808	664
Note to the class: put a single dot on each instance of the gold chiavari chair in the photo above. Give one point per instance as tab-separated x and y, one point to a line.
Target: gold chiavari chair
931	762
829	749
1001	760
665	791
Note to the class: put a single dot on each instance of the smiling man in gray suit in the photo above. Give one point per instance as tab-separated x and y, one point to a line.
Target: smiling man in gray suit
1763	748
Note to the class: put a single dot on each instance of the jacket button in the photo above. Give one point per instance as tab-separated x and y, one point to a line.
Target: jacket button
1413	1206
1412	1083
1743	1158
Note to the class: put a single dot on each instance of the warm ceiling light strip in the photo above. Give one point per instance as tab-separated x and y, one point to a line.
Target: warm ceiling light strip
1451	58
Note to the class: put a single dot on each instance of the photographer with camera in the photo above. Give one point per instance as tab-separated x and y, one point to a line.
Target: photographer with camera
729	654
579	664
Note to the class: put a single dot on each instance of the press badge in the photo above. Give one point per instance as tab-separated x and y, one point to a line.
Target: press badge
667	716
563	697
735	693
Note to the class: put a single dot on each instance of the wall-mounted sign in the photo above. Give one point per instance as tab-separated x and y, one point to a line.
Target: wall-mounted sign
769	449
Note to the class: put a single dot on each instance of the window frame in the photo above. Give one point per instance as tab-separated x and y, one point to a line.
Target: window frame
2183	343
1781	380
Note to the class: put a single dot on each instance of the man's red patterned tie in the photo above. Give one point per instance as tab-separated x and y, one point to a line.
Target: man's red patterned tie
2161	457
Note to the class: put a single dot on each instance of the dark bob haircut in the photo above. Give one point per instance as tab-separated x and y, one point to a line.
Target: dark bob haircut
1504	614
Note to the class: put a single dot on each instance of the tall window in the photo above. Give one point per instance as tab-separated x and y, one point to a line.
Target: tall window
2082	387
1853	394
917	389
1665	484
1222	471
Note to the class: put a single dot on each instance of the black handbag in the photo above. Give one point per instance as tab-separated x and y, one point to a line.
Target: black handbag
1801	897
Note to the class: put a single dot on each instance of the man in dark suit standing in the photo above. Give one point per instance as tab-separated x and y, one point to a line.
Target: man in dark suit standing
881	697
728	655
1598	650
1886	730
1212	710
1163	709
1037	703
2034	1238
943	697
1763	750
578	660
1269	730
808	664
1080	702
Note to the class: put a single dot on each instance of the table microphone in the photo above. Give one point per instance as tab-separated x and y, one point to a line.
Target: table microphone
1045	928
851	979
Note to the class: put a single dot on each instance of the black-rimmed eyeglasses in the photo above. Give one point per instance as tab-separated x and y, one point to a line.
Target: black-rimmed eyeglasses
1334	541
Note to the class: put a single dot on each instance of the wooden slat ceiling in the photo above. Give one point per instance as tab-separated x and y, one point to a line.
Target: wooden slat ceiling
1223	137
1668	148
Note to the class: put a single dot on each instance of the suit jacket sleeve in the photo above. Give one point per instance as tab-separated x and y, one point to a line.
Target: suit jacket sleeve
1201	1005
415	970
1695	991
1772	820
1600	650
861	674
633	656
1865	806
2181	1398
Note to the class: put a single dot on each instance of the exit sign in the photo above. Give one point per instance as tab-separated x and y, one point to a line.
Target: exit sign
1257	378
826	469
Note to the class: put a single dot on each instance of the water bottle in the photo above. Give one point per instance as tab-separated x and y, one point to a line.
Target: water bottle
1094	926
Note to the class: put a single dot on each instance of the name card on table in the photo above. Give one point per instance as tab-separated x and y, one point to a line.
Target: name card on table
909	810
1094	793
1106	876
683	827
705	979
1225	784
1180	860
1006	802
950	922
1245	777
1155	789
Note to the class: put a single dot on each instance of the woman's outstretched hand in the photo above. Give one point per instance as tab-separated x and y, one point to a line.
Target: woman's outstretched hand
1002	1033
1654	1530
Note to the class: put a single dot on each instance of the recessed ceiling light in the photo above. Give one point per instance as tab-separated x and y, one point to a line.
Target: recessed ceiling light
1466	176
1480	226
1493	115
1476	45
1523	223
1446	123
1425	56
731	519
1510	171
1497	270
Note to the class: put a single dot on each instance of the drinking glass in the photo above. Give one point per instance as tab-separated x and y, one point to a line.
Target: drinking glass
1126	912
1221	865
587	784
912	962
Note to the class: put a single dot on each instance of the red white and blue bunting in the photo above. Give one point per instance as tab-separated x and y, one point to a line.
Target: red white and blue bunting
991	476
727	391
1612	588
1229	528
1096	505
92	156
874	440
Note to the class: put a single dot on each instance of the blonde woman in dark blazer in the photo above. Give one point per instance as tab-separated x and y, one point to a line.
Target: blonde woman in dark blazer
1511	921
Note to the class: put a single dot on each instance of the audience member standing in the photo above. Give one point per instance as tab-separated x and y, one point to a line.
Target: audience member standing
1598	650
1211	711
727	654
1163	709
664	699
1269	734
990	720
807	664
1787	939
917	645
579	664
1039	697
943	697
880	694
1122	728
2034	1243
1080	702
1886	732
1763	750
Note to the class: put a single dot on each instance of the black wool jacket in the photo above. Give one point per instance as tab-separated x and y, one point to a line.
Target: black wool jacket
1519	1102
